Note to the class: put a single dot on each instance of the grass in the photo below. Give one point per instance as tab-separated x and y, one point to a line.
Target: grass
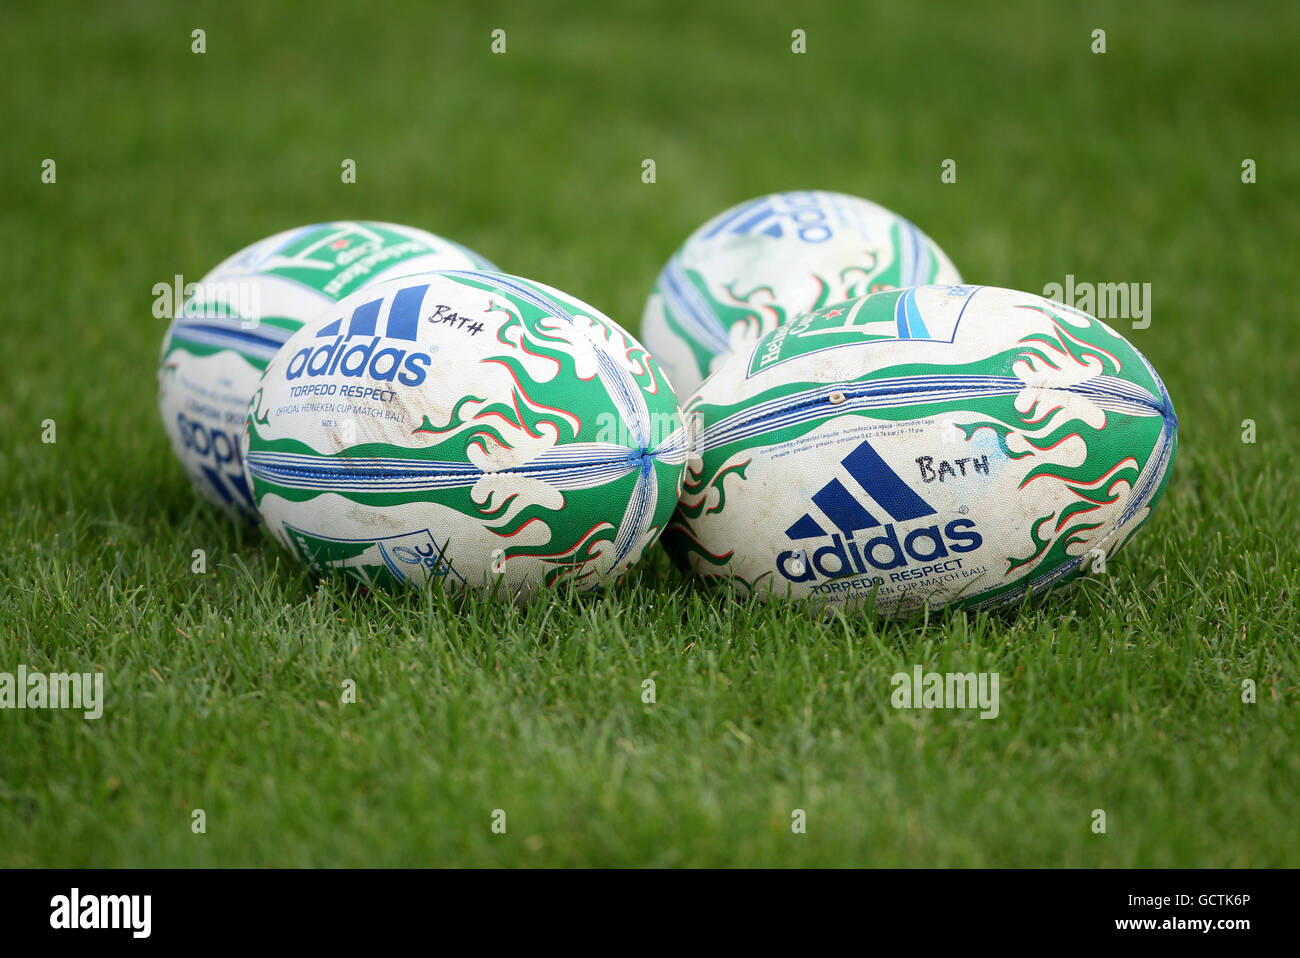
1123	694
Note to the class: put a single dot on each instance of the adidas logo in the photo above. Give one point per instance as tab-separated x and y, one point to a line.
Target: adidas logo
344	357
843	508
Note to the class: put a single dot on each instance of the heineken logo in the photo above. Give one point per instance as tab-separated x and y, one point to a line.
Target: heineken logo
886	316
336	259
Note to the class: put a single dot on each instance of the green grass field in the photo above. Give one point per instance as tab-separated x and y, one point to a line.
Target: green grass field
1122	694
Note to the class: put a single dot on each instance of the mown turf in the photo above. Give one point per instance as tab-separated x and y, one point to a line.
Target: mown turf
1124	694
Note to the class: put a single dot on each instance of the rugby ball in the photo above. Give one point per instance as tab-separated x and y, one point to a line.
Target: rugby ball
240	313
923	447
467	429
761	263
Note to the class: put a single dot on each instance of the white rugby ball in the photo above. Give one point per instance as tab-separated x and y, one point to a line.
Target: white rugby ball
240	313
760	264
925	447
470	429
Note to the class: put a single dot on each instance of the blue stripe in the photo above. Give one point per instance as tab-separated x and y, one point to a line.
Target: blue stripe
684	302
404	317
884	485
915	324
910	275
754	220
220	331
898	393
726	219
364	318
842	508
